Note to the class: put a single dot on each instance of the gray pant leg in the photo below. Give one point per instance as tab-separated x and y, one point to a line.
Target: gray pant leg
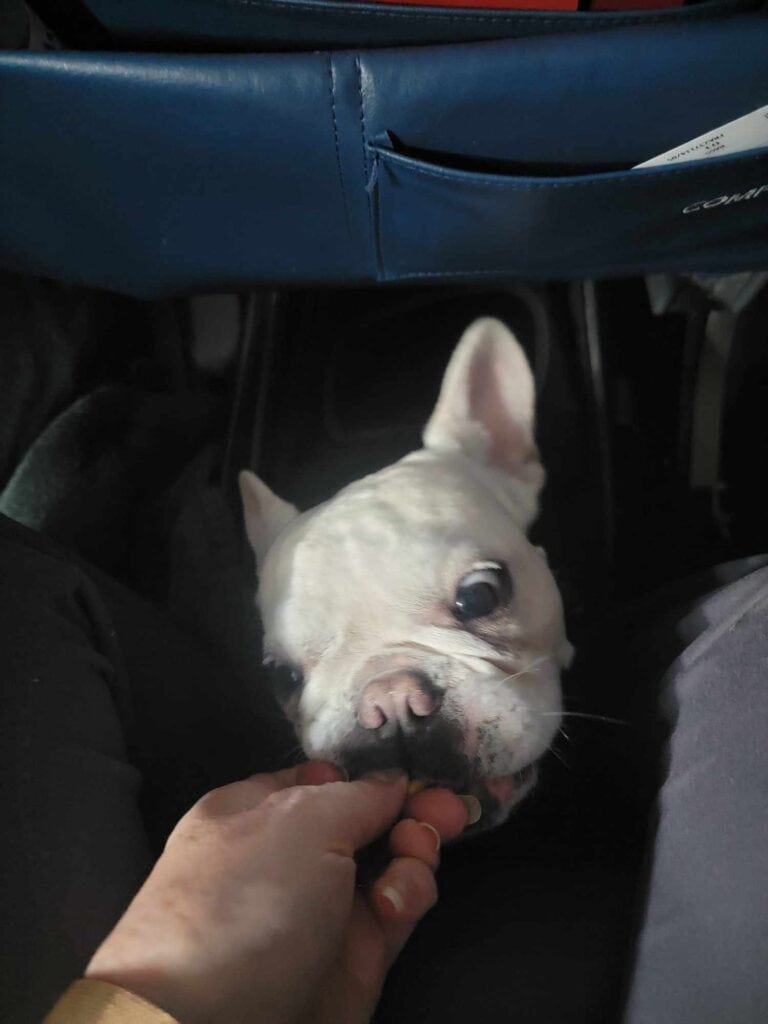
703	951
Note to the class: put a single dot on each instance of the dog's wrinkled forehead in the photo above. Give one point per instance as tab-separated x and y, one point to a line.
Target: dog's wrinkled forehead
385	556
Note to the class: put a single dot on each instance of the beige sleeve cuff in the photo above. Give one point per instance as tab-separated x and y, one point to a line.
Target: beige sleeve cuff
97	1002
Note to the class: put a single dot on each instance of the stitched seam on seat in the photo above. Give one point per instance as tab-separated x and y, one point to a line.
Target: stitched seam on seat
332	93
378	233
364	143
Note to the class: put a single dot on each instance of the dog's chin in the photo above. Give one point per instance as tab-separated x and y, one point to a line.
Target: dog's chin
498	796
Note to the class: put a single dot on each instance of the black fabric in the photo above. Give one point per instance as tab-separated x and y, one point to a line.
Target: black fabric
56	343
86	480
42	345
114	722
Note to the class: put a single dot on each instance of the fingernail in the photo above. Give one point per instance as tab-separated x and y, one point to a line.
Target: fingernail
394	897
474	810
435	833
385	775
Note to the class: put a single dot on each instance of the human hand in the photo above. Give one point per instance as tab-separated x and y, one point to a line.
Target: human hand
252	912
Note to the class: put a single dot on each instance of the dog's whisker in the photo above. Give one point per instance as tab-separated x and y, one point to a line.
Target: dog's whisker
528	668
583	714
564	734
560	757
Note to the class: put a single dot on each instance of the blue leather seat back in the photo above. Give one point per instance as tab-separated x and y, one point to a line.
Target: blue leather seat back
155	173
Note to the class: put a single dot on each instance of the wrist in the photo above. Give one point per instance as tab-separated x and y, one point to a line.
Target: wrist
90	999
153	985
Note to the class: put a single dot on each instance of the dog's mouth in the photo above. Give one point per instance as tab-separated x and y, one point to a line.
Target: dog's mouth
498	795
441	764
495	795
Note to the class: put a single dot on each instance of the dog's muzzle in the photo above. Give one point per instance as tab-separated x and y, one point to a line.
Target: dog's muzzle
401	724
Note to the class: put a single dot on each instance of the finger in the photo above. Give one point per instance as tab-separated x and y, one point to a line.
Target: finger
417	839
250	792
318	773
228	801
341	817
400	897
440	808
236	797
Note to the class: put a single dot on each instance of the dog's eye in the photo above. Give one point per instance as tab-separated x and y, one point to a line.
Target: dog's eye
481	592
287	680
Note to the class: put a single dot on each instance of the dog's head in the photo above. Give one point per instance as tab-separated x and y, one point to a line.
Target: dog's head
415	624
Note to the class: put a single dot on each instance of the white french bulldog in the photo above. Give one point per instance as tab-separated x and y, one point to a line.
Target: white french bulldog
417	625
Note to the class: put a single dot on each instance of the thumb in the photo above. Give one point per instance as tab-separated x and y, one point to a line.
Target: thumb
351	815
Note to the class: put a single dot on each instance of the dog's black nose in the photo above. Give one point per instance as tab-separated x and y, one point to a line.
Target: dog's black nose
400	701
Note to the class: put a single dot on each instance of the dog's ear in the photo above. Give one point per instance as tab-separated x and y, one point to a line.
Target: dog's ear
486	404
265	513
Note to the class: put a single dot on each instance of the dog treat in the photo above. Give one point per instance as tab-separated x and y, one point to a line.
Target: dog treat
416	786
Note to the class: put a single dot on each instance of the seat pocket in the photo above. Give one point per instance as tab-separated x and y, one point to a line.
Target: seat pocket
435	221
